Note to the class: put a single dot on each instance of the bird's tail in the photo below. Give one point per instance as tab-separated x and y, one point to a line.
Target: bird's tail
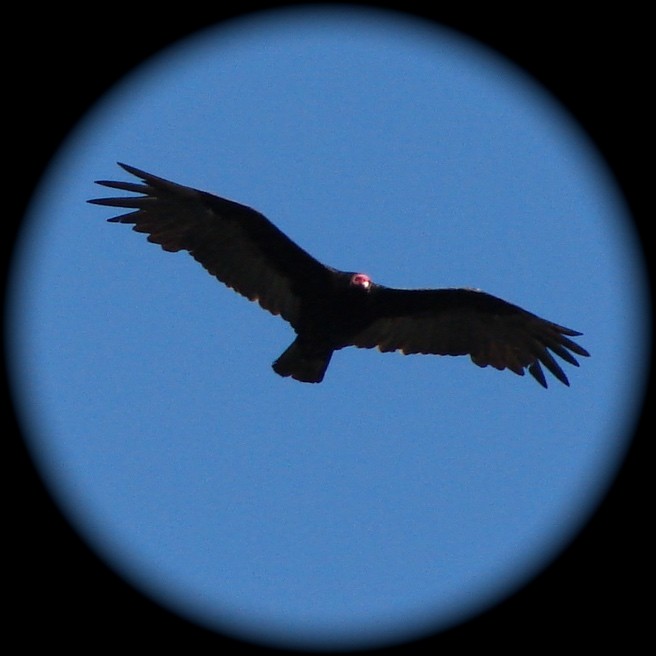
308	367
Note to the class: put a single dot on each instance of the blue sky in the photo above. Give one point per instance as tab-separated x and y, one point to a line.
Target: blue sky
403	494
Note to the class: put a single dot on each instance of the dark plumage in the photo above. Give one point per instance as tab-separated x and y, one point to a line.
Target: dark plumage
332	309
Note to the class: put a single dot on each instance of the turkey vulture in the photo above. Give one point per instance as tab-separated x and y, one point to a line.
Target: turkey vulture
331	309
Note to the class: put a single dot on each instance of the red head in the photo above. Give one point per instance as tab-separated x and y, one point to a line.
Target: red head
361	280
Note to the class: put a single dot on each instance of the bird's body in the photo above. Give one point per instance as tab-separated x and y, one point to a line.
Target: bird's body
331	309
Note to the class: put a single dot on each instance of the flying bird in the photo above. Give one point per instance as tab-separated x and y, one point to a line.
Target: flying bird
330	309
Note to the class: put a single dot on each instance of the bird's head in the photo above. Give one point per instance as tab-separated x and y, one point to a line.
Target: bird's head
360	281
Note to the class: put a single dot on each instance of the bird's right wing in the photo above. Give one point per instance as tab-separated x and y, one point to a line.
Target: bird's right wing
235	243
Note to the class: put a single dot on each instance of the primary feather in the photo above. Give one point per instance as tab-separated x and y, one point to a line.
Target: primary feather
331	309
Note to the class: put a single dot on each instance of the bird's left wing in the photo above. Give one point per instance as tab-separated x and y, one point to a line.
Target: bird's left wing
467	322
235	243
